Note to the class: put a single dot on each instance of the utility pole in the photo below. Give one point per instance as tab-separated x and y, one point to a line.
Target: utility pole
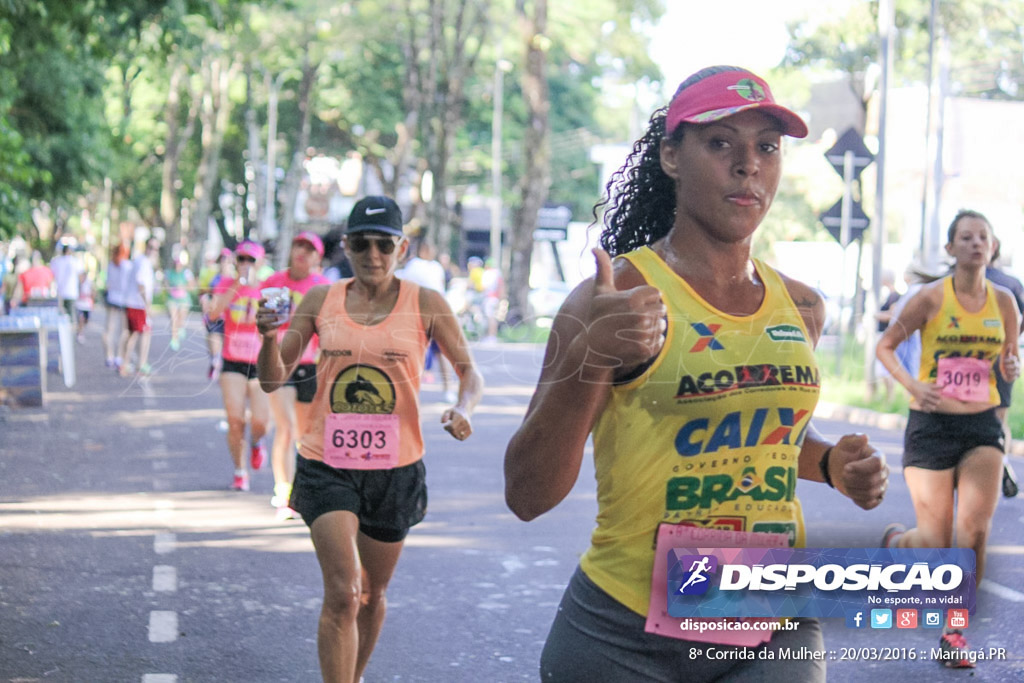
886	19
496	117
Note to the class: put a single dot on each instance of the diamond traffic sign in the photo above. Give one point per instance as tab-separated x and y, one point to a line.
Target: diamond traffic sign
833	221
850	141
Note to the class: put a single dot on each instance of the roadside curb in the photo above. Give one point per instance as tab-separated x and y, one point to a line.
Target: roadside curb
871	418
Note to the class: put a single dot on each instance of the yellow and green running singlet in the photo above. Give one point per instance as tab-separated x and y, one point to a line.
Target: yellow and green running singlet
708	435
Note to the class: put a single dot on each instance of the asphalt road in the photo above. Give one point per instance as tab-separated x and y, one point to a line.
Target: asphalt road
123	556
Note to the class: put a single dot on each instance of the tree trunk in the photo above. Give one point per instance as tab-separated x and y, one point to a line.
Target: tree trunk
295	170
215	114
174	145
257	187
437	66
536	152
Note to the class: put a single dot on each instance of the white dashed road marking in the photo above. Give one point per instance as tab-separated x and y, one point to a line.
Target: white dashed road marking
163	626
164	543
165	578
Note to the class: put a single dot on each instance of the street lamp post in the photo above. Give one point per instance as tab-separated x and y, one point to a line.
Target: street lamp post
500	67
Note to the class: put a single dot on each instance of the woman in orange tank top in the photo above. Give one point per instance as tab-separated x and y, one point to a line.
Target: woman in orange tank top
360	482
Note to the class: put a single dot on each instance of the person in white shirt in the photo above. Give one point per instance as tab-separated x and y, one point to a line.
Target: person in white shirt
138	298
66	270
115	331
426	271
84	304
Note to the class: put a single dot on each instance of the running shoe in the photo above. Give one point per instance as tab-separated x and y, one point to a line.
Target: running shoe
175	344
240	482
1010	488
891	533
110	362
953	646
257	455
146	370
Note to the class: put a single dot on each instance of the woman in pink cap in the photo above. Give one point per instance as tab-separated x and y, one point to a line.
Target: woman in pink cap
236	299
290	404
664	358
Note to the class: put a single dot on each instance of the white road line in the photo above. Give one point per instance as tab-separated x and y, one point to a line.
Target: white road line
165	578
159	678
160	465
163	626
164	543
1001	591
156	433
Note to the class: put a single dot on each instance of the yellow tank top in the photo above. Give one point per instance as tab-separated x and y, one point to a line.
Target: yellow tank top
369	369
707	436
955	331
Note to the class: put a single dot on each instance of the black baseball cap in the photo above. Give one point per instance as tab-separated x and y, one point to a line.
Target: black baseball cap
375	213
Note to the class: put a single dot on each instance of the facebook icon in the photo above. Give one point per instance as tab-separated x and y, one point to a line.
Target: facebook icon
855	619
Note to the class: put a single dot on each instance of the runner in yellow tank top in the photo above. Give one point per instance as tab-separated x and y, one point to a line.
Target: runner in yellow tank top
702	419
360	480
954	441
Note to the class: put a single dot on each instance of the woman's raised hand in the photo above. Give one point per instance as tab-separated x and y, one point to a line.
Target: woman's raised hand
624	327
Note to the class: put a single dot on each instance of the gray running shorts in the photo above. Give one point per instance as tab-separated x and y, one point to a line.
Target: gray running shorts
596	638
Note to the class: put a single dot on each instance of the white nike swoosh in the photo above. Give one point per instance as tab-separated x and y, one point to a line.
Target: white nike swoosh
372	212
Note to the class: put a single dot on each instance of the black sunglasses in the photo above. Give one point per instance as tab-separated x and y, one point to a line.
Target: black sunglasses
245	259
360	243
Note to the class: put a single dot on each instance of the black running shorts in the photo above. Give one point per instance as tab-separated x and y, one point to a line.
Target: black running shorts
247	369
387	502
938	441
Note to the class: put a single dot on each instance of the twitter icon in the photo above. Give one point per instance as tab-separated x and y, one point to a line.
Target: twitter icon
881	618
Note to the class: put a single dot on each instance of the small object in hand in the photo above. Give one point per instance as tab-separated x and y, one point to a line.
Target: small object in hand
279	299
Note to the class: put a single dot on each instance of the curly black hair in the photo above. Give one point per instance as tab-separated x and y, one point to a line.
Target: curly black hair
639	202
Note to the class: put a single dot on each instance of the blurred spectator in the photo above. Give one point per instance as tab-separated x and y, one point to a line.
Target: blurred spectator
66	270
179	282
994	274
10	281
84	303
425	270
118	270
492	286
35	283
138	303
888	296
